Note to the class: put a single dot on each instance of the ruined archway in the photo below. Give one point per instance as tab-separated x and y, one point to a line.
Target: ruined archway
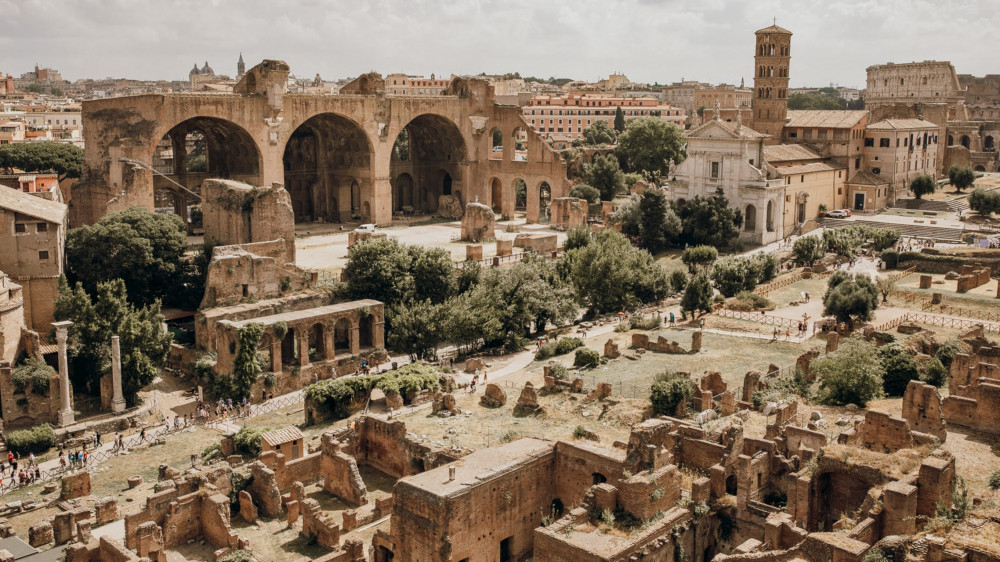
520	138
520	194
496	195
197	149
432	151
544	201
496	150
988	143
402	193
838	493
965	141
324	157
342	336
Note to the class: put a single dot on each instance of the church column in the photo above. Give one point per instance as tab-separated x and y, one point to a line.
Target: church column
66	415
118	402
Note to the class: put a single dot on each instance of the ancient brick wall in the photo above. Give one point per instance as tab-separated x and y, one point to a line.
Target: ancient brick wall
700	454
576	466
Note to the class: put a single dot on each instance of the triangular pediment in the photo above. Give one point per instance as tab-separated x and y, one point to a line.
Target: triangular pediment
712	130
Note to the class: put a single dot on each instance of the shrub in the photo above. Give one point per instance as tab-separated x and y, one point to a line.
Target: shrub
559	371
669	390
984	202
890	258
851	375
586	358
212	452
580	432
808	249
247	440
34	373
777	389
270	380
994	481
678	280
409	380
576	238
566	345
935	373
767	266
237	556
747	300
876	555
545	351
900	368
696	256
946	352
643	323
584	191
204	366
35	440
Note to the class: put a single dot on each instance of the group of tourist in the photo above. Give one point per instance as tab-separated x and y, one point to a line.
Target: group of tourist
225	408
908	244
26	475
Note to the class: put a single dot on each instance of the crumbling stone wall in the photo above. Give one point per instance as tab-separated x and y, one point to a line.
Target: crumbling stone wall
238	213
569	212
922	409
386	446
478	223
340	473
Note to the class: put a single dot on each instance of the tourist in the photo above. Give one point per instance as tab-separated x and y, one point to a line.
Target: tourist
774	336
142	435
671	318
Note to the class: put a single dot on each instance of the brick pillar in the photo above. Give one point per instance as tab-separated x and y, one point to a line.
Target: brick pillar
304	348
328	351
355	339
276	355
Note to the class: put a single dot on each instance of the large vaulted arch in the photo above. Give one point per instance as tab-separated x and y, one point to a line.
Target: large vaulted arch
327	162
196	149
430	156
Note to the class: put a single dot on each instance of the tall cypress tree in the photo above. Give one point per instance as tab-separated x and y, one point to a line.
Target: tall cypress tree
619	120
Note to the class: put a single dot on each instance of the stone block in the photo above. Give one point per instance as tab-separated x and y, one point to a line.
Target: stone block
478	224
505	247
40	534
925	281
473	252
527	402
293	511
494	397
134	481
611	349
75	485
106	510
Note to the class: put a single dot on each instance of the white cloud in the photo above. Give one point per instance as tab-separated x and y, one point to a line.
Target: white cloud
649	40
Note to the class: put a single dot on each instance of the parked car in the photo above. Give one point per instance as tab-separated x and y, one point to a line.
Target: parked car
837	214
848	211
365	228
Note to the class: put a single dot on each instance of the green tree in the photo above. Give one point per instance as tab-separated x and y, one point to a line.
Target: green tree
434	276
610	275
520	193
62	158
605	175
734	274
658	226
851	375
599	134
144	344
697	295
669	390
922	185
576	238
650	146
900	368
850	299
619	120
695	257
629	216
584	191
709	220
984	202
417	329
935	373
961	177
807	249
379	268
143	249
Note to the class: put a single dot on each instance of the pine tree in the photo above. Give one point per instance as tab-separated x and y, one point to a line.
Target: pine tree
619	120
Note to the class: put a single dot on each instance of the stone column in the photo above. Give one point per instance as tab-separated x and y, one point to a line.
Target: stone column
66	416
118	402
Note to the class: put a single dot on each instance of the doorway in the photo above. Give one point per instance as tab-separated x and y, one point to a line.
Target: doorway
859	201
505	550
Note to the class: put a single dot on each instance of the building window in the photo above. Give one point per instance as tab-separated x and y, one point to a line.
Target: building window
840	191
715	170
876	170
802	178
43	254
20	227
869	142
42	227
884	142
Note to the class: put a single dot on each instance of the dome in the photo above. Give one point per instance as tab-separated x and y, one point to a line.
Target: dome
207	69
194	70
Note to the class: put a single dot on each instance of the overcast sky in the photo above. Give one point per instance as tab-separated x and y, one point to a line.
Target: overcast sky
648	40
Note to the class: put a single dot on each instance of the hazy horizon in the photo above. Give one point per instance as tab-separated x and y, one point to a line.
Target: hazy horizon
647	40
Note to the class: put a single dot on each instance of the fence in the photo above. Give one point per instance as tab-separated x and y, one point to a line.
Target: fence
928	303
901	274
948	322
497	260
98	456
758	317
764	290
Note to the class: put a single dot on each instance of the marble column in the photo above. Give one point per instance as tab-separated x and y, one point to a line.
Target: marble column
66	416
118	402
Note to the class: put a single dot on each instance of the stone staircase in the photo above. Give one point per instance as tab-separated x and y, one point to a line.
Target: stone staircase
923	205
936	233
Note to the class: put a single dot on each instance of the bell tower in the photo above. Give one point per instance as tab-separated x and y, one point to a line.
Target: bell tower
770	83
